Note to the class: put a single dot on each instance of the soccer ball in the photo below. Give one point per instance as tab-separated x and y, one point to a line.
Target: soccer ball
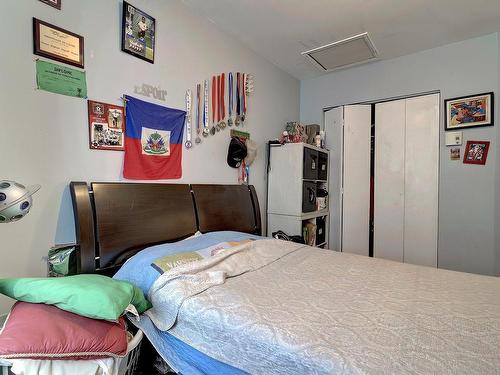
15	200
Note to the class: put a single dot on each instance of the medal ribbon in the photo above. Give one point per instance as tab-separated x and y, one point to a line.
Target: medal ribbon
244	94
214	93
205	104
188	115
223	96
238	94
218	99
230	84
198	93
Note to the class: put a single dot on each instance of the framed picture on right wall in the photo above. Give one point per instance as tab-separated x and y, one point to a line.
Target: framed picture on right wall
469	111
476	152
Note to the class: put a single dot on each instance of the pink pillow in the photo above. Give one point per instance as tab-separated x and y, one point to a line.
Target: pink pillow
39	331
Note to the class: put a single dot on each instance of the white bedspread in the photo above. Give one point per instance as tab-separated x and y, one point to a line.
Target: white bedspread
274	307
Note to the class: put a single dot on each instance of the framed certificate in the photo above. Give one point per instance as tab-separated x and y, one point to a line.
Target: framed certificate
57	44
53	3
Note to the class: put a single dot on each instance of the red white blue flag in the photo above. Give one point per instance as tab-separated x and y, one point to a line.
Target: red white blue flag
153	141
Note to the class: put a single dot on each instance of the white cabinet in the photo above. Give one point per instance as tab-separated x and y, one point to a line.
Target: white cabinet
296	172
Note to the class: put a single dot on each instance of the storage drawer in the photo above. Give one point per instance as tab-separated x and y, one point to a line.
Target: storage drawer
309	196
310	164
320	229
322	165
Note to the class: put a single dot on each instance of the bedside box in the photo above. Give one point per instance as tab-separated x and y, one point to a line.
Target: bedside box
309	196
310	171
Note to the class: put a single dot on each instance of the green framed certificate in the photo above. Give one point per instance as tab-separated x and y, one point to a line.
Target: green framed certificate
61	79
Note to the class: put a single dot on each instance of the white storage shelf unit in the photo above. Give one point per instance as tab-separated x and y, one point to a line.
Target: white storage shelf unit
297	169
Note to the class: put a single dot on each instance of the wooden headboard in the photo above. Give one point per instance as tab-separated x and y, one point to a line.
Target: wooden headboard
114	221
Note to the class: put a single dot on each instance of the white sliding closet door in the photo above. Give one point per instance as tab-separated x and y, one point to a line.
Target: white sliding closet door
390	124
421	180
406	180
356	179
334	119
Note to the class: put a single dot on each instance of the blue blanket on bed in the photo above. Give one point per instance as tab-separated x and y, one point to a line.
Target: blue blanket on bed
138	270
183	359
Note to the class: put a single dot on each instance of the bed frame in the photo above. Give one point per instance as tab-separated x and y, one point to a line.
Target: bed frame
114	221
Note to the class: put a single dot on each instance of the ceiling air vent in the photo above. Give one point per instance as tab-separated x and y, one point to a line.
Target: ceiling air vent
355	50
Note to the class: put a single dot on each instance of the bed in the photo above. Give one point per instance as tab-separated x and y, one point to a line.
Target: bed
279	308
115	221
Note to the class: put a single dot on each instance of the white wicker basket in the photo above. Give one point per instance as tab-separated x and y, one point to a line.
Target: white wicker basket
4	368
128	365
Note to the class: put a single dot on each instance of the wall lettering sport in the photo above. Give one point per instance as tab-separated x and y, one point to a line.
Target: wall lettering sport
150	90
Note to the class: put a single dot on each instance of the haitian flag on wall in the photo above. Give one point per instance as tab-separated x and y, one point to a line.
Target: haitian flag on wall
153	141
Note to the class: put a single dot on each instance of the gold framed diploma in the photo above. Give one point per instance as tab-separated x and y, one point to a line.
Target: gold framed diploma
57	44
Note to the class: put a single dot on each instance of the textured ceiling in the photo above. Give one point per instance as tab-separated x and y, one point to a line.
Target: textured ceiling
280	30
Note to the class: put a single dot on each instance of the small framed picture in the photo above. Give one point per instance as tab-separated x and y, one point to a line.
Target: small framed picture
106	126
138	33
476	152
53	3
455	153
469	111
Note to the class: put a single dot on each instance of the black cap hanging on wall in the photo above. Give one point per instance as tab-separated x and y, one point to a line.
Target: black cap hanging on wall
236	152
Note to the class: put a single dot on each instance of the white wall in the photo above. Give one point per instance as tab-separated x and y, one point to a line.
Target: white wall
467	192
44	136
497	175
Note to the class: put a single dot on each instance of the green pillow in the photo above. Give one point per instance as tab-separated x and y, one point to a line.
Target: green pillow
93	296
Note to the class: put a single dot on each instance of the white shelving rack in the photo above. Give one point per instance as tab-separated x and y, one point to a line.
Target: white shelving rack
295	169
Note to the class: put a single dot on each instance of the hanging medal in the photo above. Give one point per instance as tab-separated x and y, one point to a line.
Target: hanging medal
222	95
214	99
230	102
198	96
206	130
237	120
188	143
218	127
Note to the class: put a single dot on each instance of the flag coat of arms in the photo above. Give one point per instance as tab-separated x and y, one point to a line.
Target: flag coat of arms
153	141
